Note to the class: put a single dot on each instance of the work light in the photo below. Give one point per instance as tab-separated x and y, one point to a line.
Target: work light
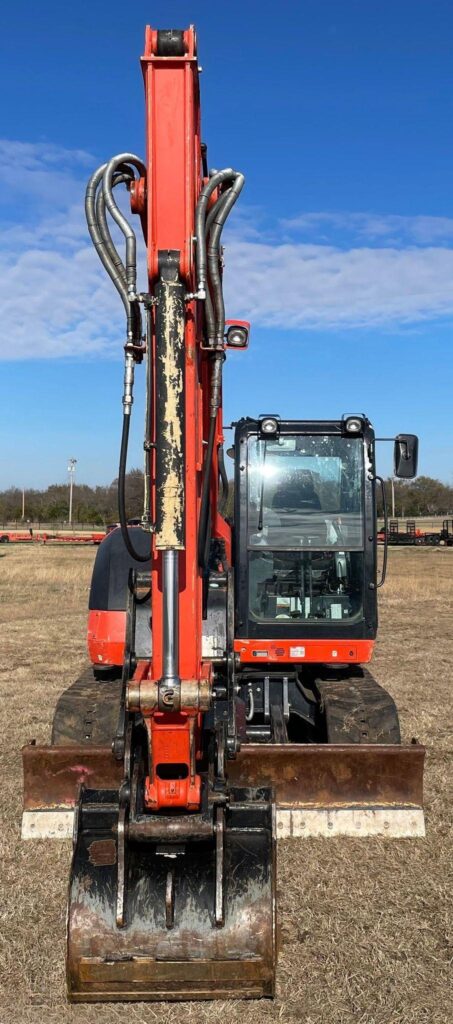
269	426
237	334
353	424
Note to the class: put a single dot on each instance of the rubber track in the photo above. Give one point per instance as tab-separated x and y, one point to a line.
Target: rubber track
87	712
358	710
355	709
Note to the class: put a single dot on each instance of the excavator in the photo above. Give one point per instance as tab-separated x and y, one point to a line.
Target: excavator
228	702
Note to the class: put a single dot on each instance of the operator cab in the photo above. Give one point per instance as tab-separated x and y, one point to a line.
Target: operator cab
305	528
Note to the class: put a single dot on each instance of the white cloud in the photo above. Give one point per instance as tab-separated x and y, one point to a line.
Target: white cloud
421	229
302	285
55	298
313	271
42	173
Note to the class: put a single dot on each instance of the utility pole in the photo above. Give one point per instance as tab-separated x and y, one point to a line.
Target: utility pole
23	503
393	497
71	471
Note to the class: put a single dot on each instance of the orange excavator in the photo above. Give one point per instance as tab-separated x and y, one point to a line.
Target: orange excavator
227	703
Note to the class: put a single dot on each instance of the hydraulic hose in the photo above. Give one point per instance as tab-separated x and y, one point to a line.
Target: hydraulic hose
209	309
208	230
224	480
99	195
98	239
216	388
215	278
204	506
122	493
134	311
102	241
215	180
119	178
123	224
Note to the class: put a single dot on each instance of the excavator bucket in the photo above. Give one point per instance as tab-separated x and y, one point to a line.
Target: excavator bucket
178	908
165	920
182	906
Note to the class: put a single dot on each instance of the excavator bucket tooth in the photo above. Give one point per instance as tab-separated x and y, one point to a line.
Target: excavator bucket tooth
172	920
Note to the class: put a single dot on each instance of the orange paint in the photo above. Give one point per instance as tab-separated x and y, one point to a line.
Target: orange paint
173	161
106	636
170	743
301	651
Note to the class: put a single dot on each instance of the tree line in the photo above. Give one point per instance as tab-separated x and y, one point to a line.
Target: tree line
95	506
423	496
98	505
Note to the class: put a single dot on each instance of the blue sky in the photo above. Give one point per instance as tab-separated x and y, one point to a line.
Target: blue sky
341	254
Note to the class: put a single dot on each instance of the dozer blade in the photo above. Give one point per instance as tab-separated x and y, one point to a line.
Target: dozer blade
330	789
319	789
196	920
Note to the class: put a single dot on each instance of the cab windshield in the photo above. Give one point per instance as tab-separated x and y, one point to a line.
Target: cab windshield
305	527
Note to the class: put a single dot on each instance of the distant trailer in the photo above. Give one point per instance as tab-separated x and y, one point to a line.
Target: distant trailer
446	533
40	537
411	536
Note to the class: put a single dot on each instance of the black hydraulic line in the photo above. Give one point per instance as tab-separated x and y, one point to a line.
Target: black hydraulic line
216	389
208	230
119	178
204	506
126	176
97	237
207	545
218	357
209	317
118	163
219	203
209	309
104	245
216	179
119	169
213	253
122	495
224	480
122	222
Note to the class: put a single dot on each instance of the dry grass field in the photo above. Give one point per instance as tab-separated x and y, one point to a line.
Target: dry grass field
366	927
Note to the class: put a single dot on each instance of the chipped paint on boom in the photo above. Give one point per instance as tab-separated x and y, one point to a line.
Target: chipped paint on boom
170	399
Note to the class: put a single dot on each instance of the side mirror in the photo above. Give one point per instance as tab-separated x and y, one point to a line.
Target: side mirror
405	456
